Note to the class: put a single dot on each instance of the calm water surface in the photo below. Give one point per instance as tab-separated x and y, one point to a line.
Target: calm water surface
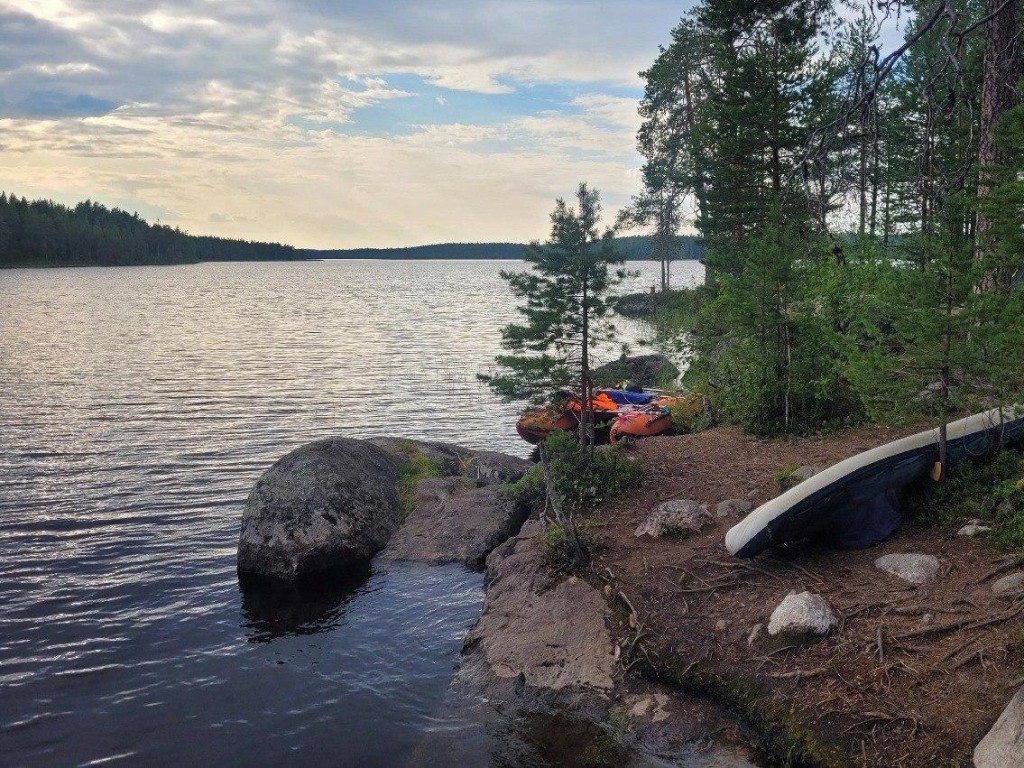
137	408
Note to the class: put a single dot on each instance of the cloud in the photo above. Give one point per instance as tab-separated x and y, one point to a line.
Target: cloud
323	123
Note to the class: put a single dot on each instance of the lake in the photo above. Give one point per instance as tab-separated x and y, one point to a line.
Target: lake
137	408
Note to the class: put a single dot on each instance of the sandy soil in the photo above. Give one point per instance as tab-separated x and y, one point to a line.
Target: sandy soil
914	675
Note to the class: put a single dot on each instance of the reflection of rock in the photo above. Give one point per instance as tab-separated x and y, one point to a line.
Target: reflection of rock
645	370
450	523
328	504
278	608
1003	746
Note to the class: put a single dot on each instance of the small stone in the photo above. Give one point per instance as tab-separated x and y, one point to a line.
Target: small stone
755	633
804	473
721	625
1009	585
973	528
733	508
801	617
674	517
928	618
914	568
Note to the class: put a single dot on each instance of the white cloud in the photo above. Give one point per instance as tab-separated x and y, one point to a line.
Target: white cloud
221	112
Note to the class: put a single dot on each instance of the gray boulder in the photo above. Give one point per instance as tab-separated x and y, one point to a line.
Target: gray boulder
973	528
914	568
328	504
1009	585
644	370
733	508
675	517
451	523
1003	746
801	617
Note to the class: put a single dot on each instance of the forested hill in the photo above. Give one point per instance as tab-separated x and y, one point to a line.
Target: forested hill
42	233
631	248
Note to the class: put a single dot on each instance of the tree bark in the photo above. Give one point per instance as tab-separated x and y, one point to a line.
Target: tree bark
999	94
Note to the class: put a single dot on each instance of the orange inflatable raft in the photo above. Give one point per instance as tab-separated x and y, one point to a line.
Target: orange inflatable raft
641	423
533	426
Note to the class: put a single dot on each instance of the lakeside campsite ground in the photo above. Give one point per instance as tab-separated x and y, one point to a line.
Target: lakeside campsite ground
914	675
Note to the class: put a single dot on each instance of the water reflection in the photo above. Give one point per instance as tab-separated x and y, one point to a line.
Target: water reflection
273	609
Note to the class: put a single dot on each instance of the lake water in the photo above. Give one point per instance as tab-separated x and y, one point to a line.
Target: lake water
137	408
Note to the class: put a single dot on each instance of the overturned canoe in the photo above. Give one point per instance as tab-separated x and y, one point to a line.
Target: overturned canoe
853	503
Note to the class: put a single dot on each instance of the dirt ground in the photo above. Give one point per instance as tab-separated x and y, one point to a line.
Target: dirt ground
914	676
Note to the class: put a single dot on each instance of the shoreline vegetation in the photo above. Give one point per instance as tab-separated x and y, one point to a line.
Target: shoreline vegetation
42	233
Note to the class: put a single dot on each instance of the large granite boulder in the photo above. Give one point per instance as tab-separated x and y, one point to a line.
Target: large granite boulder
326	505
1003	746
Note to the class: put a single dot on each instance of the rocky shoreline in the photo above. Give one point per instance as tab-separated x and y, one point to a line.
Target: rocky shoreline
680	654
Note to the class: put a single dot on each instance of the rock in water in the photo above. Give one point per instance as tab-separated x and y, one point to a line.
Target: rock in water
1003	746
328	504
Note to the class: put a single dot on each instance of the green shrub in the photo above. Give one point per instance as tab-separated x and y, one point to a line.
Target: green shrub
991	490
526	493
784	479
586	479
558	553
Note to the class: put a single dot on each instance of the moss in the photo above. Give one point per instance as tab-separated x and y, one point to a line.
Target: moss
785	736
418	466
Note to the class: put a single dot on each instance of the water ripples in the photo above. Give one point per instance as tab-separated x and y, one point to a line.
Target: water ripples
137	407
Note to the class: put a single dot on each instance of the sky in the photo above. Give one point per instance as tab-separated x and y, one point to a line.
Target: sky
328	123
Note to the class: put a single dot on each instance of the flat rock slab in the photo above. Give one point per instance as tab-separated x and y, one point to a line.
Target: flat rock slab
451	522
1003	746
675	516
547	633
803	615
913	567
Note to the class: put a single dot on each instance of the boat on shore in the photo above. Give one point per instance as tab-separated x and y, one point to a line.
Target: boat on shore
617	413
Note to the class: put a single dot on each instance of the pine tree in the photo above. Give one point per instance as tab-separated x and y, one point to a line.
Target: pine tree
565	306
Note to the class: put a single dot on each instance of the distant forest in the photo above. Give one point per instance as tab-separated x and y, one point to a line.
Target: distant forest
634	248
42	233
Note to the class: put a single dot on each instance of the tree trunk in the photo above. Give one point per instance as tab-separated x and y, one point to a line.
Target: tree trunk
999	94
586	421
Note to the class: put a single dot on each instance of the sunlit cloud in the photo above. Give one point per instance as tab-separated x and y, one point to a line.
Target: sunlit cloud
322	126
